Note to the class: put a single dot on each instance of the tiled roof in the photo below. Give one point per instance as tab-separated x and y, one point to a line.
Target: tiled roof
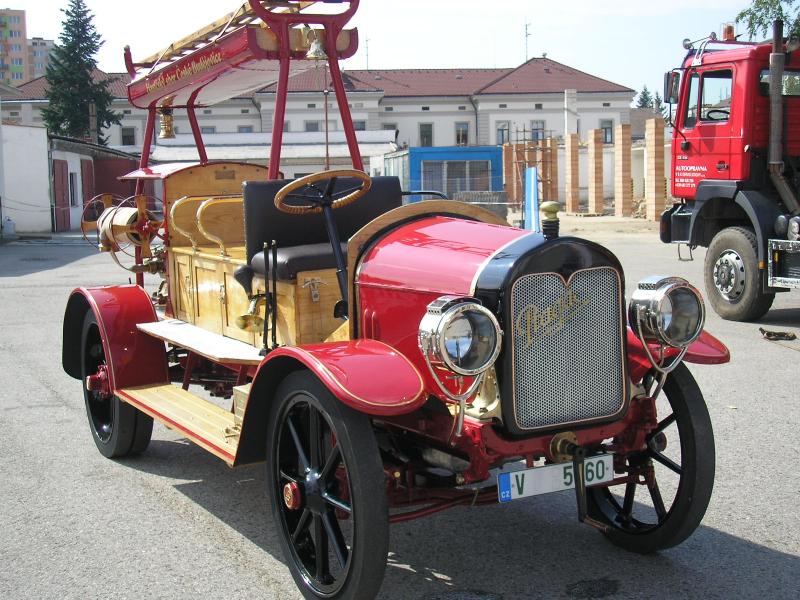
537	76
543	75
36	89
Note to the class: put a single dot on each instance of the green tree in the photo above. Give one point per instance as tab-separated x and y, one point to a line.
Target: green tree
659	106
645	99
759	17
72	87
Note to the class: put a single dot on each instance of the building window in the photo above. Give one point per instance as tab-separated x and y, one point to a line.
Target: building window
245	129
208	129
14	113
503	129
17	62
462	134
426	134
16	76
360	125
14	33
389	127
16	48
503	106
426	108
14	19
389	108
462	108
537	130
311	105
207	111
607	125
606	104
537	106
73	189
128	136
245	111
126	111
311	125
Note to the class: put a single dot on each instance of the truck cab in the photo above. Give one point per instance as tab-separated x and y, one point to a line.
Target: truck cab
736	169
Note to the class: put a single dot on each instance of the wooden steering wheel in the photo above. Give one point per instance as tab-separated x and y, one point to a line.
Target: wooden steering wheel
317	198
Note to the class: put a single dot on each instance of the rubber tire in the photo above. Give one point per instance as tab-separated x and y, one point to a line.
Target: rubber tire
694	492
754	302
365	470
131	429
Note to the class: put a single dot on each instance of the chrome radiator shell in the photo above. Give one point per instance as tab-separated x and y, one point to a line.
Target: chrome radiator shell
566	348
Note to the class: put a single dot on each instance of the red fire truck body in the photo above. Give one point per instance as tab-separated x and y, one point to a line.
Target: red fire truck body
736	170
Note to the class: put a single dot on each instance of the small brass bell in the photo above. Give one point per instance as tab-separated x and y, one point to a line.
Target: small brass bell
316	51
167	125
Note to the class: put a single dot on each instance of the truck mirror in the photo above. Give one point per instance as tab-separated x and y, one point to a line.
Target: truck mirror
672	84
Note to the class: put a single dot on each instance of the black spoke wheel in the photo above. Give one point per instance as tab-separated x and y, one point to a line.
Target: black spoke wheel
325	482
118	429
674	474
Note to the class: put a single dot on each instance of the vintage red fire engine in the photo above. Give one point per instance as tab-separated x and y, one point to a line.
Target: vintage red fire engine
386	360
736	168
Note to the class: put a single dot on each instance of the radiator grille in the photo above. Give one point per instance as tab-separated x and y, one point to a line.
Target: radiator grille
567	348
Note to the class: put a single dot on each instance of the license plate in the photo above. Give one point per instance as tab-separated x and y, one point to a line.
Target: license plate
552	478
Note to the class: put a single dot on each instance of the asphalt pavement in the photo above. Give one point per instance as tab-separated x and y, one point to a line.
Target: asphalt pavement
177	523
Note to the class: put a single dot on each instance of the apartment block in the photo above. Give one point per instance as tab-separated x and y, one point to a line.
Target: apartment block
13	47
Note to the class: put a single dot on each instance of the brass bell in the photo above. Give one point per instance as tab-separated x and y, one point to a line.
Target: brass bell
316	51
167	125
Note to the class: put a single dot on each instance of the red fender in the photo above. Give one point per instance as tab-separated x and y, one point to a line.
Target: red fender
705	350
367	375
134	358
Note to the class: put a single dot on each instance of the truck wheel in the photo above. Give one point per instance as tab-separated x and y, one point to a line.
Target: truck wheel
118	429
675	473
732	277
326	486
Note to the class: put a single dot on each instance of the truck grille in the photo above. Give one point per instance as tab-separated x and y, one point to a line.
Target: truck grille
567	349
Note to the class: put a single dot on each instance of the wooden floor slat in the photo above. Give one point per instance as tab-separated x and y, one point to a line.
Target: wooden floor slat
205	343
203	422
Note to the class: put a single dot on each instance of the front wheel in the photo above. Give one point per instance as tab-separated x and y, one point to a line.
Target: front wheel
670	481
325	483
732	276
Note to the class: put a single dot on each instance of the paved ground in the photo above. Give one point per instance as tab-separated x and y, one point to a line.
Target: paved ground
176	523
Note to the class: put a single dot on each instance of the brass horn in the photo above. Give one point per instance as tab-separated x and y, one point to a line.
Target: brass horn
250	321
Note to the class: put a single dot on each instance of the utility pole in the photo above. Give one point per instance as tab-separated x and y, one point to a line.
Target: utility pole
527	35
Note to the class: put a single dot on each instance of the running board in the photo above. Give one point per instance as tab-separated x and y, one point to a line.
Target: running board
215	347
203	422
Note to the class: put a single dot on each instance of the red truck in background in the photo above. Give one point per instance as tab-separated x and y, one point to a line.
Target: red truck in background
736	168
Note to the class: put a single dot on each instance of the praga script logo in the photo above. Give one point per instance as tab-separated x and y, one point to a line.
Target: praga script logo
534	323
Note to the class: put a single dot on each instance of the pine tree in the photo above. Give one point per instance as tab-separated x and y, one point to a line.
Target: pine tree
645	99
659	107
71	85
759	17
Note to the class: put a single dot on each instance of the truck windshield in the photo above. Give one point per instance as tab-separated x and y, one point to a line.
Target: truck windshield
791	83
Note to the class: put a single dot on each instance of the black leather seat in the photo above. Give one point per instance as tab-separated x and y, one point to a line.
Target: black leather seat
303	243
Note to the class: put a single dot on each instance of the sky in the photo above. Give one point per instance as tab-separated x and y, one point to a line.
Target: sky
631	43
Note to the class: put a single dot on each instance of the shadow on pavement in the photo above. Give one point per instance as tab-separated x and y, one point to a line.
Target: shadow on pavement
789	317
20	259
531	549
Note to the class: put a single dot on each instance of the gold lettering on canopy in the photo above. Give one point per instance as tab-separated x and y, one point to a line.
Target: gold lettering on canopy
194	67
533	322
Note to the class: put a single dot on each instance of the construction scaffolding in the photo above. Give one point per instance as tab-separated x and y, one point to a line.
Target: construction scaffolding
529	148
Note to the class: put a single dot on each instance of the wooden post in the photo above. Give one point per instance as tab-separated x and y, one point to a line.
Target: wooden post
623	184
571	173
508	172
595	172
654	188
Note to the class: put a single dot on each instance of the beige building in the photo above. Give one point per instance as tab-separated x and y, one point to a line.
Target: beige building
13	47
38	56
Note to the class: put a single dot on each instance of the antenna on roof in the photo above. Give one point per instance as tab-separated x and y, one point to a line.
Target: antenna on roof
367	44
527	35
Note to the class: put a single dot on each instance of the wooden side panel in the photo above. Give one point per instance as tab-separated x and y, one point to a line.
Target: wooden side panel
314	319
236	304
209	295
183	294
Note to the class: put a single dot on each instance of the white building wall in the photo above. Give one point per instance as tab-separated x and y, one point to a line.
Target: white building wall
26	199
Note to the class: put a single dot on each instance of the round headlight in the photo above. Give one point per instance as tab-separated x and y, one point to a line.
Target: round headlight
461	335
667	310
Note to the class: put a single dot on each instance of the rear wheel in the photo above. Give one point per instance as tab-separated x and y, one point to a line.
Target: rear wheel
325	482
732	276
671	480
118	429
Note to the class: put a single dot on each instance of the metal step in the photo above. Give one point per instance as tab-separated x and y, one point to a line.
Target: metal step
212	346
203	422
